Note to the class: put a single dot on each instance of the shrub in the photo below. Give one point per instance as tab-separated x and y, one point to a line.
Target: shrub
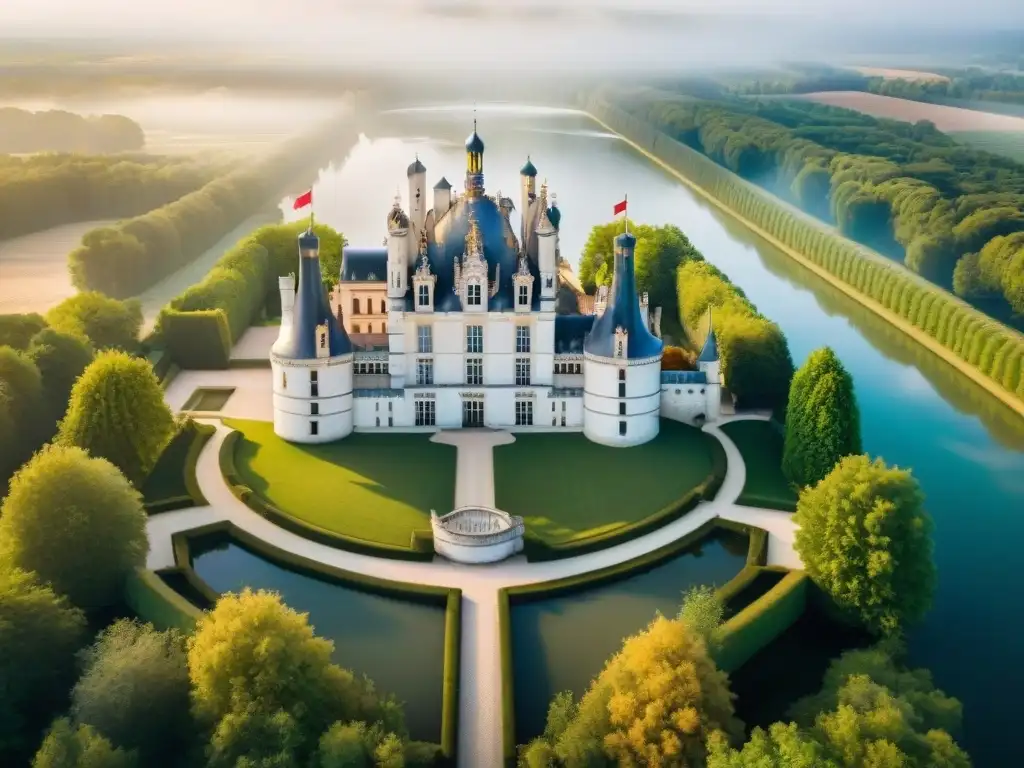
865	539
117	412
17	330
60	358
77	522
107	323
198	340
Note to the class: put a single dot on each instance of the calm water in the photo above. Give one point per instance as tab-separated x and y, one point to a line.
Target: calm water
397	644
966	449
561	643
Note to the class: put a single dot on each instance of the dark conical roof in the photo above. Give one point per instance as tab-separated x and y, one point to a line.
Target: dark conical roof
709	352
474	143
529	169
416	167
443	184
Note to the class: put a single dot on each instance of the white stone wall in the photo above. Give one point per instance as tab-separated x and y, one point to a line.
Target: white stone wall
601	402
476	555
684	402
293	402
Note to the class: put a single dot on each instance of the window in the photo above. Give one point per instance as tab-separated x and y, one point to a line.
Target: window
284	379
314	427
622	389
390	407
314	386
378	421
622	409
554	421
323	339
475	339
524	295
524	413
314	409
563	406
552	408
473	294
622	429
522	371
369	327
423	295
385	328
355	328
426	413
313	377
383	307
578	368
355	306
522	339
424	372
622	374
424	340
475	371
563	419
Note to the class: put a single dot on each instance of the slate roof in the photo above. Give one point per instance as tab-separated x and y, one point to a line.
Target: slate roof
709	352
529	169
416	167
570	332
364	265
684	377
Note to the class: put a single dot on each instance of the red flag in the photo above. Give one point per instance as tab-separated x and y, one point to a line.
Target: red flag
306	198
620	208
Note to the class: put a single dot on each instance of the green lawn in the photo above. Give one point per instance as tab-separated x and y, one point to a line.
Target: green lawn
568	488
1007	143
375	487
761	447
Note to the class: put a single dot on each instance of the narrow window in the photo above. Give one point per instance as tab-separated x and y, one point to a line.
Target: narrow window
622	428
314	427
284	379
355	328
424	295
622	389
524	295
355	306
383	307
522	339
622	374
314	409
622	409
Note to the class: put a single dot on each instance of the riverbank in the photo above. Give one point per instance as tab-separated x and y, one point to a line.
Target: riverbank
927	341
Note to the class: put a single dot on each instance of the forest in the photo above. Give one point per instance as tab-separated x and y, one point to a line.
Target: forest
906	190
22	131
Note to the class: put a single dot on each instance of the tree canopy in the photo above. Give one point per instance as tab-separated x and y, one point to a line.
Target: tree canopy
82	747
655	703
39	634
77	522
106	323
822	419
60	358
25	132
865	539
22	410
117	412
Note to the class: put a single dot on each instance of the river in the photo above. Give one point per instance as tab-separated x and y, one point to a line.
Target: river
966	449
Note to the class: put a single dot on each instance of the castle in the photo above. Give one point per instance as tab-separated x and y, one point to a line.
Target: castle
473	339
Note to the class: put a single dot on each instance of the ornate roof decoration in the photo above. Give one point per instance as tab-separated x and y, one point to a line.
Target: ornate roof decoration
397	218
524	268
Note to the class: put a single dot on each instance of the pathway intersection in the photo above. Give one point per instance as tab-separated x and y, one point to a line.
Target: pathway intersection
480	728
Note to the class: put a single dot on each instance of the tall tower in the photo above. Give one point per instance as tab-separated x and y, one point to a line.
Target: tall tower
547	250
527	192
474	163
417	175
398	255
708	362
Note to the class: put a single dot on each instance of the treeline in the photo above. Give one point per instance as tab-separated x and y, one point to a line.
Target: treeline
129	257
972	84
48	190
22	131
994	350
904	189
199	327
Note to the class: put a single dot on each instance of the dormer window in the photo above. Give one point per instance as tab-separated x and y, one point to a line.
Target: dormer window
423	296
322	347
524	296
473	293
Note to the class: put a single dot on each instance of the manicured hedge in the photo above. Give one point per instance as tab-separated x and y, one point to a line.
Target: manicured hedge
172	484
538	551
418	549
994	350
508	680
762	621
451	599
155	602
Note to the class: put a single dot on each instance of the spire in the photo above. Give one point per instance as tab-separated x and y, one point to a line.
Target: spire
709	352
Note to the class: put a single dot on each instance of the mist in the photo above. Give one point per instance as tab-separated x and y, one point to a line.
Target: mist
482	38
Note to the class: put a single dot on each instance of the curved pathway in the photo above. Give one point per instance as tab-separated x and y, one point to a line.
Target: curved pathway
480	740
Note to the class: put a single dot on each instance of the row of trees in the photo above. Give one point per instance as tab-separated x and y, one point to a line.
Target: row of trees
44	191
40	360
906	190
971	84
125	259
200	326
22	131
992	348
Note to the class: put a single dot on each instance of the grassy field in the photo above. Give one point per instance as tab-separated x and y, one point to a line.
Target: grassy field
568	488
1007	143
947	119
761	448
375	487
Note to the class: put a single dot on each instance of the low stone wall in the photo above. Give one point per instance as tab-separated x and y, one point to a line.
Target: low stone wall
477	535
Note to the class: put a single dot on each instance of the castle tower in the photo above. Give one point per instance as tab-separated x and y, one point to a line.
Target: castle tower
708	362
622	364
547	254
442	198
286	285
417	175
311	361
398	255
474	163
527	193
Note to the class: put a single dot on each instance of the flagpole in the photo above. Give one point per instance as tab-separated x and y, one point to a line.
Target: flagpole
625	199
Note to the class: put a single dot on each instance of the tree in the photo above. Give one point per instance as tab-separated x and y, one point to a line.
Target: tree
822	419
702	612
678	359
783	745
17	330
655	703
68	747
107	323
260	698
117	412
39	634
865	540
60	358
77	522
134	689
21	398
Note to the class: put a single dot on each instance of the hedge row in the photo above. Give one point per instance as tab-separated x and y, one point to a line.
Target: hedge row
421	543
762	621
528	593
537	550
451	599
153	601
172	484
133	255
993	349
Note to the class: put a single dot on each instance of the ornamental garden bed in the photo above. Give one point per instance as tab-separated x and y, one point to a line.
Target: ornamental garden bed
573	493
211	399
172	484
374	488
760	445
